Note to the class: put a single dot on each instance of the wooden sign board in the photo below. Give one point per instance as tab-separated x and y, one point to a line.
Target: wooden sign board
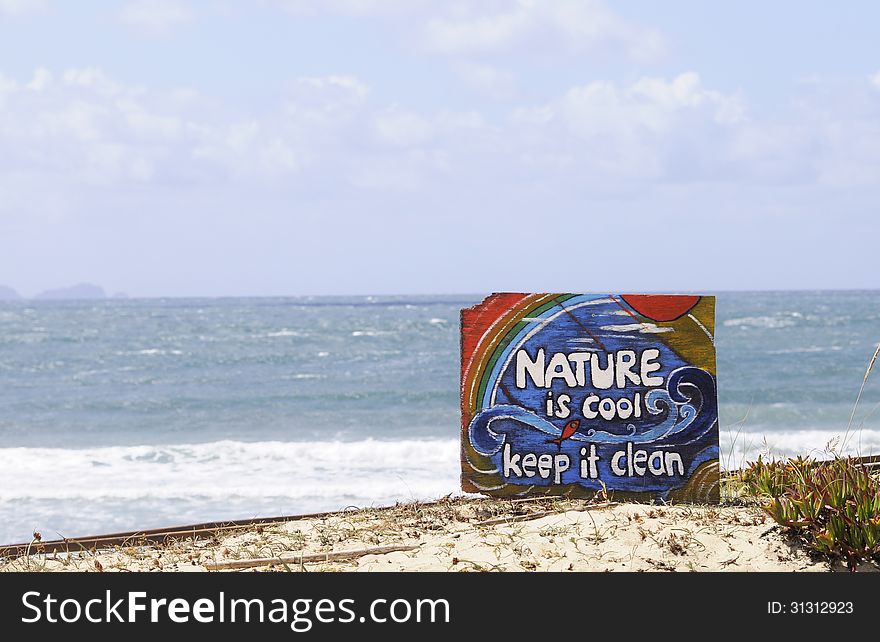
570	394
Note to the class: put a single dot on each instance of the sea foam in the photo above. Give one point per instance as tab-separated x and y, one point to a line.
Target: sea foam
367	469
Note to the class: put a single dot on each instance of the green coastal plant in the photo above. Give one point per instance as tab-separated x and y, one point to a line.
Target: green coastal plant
834	505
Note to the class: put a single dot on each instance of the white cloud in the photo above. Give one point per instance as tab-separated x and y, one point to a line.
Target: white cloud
92	166
478	33
42	78
88	77
156	16
686	91
488	79
22	7
334	89
535	25
321	112
477	27
652	128
402	128
353	7
829	136
83	124
7	85
329	132
875	80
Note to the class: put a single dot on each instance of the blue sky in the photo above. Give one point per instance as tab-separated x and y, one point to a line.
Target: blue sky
174	147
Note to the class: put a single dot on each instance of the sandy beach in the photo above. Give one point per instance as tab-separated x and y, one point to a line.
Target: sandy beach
476	535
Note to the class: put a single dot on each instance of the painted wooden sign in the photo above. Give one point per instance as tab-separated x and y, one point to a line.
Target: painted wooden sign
570	394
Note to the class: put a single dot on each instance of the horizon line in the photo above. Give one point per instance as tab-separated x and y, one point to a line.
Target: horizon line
464	295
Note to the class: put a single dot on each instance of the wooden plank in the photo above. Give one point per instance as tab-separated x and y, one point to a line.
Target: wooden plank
305	558
159	535
590	394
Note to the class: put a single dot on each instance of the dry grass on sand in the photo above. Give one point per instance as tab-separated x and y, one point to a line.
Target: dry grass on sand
463	534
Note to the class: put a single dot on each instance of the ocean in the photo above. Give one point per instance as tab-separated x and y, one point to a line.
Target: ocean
125	414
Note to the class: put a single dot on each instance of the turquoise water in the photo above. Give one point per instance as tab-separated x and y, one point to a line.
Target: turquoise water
139	413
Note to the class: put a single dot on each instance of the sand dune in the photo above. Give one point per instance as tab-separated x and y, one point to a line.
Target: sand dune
463	534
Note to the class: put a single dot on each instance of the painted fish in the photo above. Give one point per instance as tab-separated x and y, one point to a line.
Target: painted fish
570	428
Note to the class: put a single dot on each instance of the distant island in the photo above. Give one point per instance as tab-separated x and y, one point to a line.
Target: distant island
78	292
8	294
72	293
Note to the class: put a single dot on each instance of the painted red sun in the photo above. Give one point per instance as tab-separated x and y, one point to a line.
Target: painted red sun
661	307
